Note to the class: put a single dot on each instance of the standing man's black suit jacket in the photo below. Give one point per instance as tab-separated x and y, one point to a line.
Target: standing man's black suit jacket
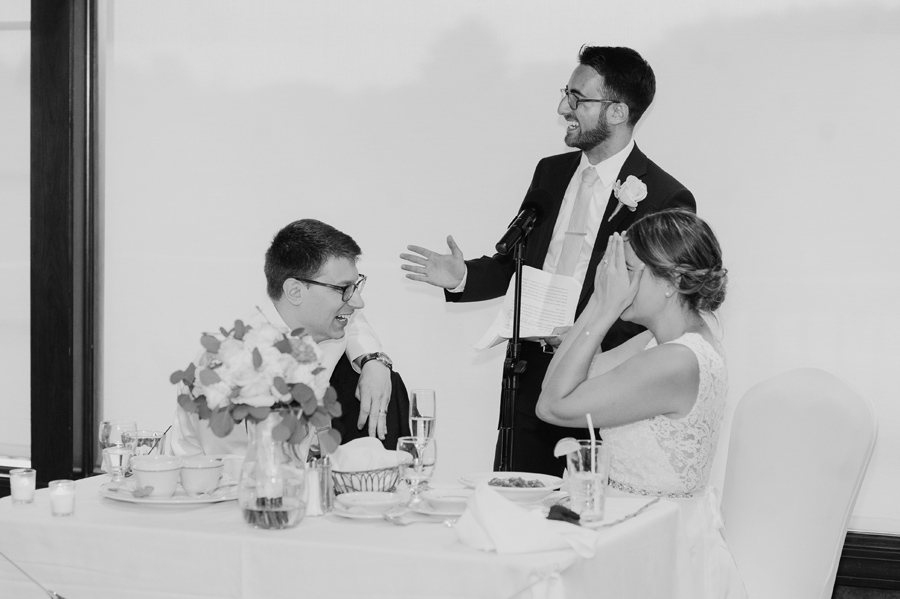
488	277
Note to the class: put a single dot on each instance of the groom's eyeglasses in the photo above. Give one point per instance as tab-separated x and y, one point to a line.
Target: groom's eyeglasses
347	291
574	100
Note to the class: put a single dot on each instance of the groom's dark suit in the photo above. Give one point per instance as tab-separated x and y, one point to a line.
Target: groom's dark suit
488	278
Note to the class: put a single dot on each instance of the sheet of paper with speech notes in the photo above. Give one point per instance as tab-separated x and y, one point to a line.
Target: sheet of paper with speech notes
548	301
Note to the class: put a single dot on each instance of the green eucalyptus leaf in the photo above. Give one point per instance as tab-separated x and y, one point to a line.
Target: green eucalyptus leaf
210	343
187	403
223	331
176	377
189	374
203	410
330	395
282	431
257	358
209	377
234	393
260	413
298	332
221	423
142	491
320	419
240	412
283	345
309	405
302	392
318	369
334	409
329	441
239	330
280	385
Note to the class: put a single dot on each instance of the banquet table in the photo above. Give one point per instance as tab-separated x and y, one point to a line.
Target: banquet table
112	548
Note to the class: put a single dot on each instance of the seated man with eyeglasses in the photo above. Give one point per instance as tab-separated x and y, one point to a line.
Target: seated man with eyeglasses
313	283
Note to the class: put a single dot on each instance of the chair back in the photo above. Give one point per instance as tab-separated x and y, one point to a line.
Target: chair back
800	445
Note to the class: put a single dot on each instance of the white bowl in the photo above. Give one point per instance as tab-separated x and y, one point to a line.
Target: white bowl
232	463
200	474
369	502
161	472
518	494
447	500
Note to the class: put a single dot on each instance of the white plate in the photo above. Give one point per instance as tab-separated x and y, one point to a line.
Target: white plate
125	492
429	510
521	494
355	513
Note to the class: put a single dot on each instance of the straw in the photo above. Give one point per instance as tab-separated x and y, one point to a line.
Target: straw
593	443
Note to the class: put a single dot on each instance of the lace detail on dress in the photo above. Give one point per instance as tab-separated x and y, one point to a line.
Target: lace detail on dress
665	455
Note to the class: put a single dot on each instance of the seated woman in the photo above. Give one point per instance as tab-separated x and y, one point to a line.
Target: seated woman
658	399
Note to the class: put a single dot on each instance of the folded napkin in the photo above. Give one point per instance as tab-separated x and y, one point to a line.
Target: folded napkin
365	453
492	522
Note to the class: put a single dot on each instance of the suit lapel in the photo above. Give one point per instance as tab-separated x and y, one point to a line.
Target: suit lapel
635	164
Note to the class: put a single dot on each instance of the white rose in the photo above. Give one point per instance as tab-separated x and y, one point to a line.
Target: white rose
216	395
631	192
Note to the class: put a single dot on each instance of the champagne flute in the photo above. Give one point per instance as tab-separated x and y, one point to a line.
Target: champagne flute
111	436
422	405
416	457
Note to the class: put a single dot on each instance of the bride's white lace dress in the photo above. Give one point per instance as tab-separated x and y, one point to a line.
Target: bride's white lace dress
672	458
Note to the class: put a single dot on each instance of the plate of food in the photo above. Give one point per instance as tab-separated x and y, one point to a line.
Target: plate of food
524	487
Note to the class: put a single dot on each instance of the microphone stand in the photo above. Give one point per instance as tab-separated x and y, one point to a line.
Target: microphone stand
512	368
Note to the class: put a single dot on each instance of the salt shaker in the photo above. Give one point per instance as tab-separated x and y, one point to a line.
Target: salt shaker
321	489
326	484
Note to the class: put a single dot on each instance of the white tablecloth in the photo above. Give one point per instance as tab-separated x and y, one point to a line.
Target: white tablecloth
112	549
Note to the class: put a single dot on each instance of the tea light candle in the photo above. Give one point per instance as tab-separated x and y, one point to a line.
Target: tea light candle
62	497
21	482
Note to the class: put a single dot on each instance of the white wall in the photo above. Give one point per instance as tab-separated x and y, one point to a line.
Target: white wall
400	122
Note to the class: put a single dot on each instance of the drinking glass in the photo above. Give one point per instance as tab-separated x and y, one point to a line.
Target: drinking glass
416	457
111	435
144	442
117	458
588	476
422	404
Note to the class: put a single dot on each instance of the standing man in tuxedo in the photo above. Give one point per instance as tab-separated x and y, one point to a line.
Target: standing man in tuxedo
607	94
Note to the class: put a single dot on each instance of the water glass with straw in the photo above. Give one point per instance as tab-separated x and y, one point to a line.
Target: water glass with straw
588	467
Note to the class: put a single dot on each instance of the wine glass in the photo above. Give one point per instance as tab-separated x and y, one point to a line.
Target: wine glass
422	404
416	457
118	459
111	436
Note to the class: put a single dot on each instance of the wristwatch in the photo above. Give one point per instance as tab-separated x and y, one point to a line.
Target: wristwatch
379	356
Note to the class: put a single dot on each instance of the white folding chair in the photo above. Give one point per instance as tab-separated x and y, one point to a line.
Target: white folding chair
800	446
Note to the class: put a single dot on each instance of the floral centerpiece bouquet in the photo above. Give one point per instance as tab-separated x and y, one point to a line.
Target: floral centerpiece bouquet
247	373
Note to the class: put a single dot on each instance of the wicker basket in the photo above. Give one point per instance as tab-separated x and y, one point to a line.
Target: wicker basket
383	479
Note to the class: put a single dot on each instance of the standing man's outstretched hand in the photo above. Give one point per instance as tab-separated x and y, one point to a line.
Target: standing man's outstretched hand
440	270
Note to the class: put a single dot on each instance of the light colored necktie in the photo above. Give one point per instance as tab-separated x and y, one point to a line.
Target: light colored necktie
575	232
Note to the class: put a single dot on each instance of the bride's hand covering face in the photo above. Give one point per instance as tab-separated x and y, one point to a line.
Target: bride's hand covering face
614	286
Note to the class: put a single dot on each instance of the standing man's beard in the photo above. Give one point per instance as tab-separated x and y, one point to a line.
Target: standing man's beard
585	140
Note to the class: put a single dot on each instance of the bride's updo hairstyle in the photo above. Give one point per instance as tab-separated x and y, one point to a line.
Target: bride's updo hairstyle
679	247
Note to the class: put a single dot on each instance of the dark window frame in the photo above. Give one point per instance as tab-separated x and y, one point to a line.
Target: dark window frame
66	240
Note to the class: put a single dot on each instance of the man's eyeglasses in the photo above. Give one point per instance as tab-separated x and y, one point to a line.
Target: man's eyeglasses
347	291
574	100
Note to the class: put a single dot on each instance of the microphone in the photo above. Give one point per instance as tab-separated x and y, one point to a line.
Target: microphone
529	216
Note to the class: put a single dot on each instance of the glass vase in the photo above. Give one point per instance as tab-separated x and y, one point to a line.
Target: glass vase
272	487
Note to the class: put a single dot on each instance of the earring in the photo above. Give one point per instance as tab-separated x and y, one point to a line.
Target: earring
668	294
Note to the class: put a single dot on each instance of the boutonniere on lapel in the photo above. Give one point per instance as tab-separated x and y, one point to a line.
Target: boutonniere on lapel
629	194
